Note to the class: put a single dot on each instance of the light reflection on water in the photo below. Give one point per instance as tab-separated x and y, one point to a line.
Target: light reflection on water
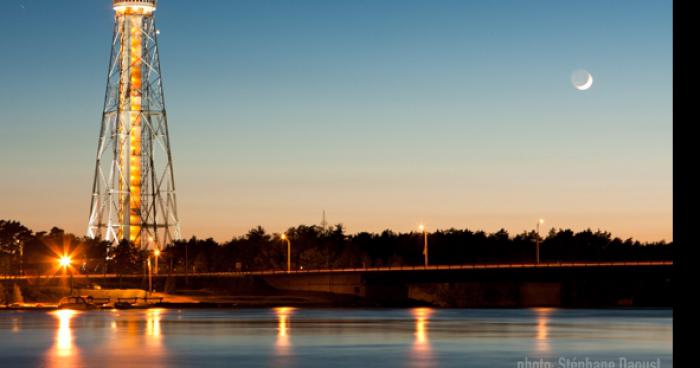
422	356
291	337
63	353
282	343
542	339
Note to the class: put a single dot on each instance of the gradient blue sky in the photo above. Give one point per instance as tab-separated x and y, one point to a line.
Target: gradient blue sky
383	113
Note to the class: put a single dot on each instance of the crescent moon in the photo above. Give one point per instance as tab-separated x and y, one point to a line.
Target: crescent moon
586	85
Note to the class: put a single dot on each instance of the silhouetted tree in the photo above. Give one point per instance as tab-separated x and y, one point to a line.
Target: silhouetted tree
314	247
13	237
127	258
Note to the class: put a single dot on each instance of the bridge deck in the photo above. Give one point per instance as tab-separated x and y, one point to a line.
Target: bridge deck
466	267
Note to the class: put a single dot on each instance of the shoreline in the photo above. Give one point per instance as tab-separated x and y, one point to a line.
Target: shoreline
233	306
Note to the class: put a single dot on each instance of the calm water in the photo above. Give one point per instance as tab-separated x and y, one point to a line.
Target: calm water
286	337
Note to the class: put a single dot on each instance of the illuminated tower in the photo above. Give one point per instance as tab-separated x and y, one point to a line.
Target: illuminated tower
133	195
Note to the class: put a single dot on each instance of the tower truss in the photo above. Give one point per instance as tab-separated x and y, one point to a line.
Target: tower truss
133	195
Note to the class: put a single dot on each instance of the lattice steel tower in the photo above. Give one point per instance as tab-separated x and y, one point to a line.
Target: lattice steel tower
133	195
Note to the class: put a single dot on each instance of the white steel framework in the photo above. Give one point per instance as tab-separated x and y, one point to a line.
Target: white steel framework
133	195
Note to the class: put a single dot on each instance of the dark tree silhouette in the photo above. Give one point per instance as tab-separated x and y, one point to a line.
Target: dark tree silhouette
314	247
127	258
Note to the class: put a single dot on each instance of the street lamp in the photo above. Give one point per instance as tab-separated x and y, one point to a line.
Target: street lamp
156	253
537	246
150	280
65	262
289	251
20	245
425	243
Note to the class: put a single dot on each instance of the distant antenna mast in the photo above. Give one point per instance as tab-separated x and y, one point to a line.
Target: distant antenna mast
324	223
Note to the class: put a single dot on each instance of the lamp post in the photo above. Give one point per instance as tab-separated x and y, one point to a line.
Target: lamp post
537	245
150	281
65	262
156	253
289	252
425	243
187	265
20	245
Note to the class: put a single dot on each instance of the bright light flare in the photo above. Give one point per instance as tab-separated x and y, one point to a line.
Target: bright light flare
64	261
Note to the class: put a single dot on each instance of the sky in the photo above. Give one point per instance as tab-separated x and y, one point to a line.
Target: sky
383	113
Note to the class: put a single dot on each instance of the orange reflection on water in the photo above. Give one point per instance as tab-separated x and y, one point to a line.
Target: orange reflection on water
421	335
138	330
421	349
282	343
154	338
15	325
542	341
64	336
153	317
63	353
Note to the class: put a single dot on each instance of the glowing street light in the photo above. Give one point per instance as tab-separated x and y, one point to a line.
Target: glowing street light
537	246
156	252
289	251
425	243
64	261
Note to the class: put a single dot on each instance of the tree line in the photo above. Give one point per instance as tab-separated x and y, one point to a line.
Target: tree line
23	251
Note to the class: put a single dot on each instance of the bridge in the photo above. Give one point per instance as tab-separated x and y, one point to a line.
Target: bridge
390	269
565	284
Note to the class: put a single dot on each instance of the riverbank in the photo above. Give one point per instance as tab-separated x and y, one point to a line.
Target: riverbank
197	299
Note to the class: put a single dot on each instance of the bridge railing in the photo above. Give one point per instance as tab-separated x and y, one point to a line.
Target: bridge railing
472	266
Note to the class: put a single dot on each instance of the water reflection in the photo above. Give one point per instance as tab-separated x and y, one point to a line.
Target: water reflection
421	342
64	336
153	317
155	352
282	344
286	337
63	353
136	337
16	325
542	340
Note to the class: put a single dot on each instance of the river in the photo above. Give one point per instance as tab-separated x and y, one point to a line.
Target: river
289	337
